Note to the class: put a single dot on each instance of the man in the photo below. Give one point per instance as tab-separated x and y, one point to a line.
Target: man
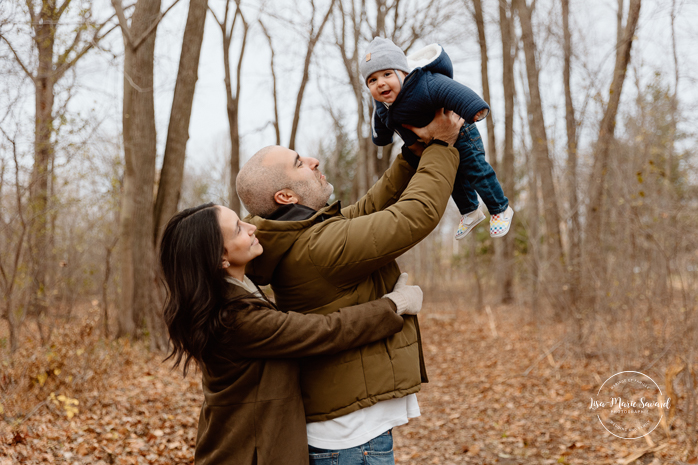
322	257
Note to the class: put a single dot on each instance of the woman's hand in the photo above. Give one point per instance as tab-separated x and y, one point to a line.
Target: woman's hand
408	299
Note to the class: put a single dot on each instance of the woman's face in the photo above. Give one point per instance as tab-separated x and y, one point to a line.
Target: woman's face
239	241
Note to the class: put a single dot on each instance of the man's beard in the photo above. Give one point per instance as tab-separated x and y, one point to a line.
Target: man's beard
313	195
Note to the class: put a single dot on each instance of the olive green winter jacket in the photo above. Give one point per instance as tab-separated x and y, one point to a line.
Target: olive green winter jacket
336	258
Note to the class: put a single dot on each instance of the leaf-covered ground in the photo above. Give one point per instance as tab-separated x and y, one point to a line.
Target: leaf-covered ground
494	396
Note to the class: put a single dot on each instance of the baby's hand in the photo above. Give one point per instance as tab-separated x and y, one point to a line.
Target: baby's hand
482	114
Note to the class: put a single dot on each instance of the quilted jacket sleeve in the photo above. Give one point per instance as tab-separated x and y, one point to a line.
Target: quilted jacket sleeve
451	95
269	333
345	252
386	191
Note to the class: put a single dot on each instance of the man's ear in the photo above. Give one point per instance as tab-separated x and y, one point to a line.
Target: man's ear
285	197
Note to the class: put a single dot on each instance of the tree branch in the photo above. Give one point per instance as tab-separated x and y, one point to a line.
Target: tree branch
64	56
119	11
245	28
61	69
17	58
32	15
152	27
61	10
213	13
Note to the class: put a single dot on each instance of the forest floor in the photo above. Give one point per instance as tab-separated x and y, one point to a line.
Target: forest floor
501	390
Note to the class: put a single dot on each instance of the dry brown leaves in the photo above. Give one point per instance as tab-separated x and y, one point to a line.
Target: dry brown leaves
131	408
478	408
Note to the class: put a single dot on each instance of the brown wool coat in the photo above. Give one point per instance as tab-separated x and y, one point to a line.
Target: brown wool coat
336	258
253	410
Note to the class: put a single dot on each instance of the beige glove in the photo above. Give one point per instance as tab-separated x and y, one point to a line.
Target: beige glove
408	299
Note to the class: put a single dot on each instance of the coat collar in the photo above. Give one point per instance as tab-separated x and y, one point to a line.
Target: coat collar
234	292
278	236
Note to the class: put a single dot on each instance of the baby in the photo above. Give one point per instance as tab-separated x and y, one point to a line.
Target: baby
410	94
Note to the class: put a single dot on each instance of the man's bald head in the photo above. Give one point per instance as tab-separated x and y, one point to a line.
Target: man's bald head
257	182
277	170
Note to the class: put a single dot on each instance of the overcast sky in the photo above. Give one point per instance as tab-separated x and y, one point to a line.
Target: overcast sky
593	22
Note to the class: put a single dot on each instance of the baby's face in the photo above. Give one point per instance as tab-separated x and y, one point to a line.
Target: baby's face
384	85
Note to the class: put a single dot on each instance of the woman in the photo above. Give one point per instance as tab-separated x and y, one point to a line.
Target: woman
245	347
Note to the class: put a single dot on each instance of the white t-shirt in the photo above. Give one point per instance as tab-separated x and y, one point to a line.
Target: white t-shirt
363	425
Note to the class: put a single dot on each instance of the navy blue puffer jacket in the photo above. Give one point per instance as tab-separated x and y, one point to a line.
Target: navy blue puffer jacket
427	88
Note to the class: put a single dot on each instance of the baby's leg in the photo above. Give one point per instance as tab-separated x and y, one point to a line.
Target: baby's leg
463	194
475	174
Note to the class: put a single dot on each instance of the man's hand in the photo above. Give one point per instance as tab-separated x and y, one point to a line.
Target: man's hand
445	126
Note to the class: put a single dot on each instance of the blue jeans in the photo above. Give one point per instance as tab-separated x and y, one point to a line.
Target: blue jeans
476	176
377	451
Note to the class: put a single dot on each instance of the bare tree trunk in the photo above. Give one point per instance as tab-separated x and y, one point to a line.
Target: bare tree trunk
539	141
506	22
172	171
351	65
533	231
136	228
105	287
8	277
233	119
273	81
674	97
43	149
312	41
482	40
593	247
233	98
571	123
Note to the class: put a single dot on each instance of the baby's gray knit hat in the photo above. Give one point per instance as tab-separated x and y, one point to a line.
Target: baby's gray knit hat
382	54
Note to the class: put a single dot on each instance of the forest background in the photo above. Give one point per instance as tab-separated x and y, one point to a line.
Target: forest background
114	115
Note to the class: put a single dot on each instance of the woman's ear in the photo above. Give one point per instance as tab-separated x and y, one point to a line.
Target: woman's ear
225	263
285	197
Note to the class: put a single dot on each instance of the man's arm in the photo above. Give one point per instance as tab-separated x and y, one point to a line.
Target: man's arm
445	126
346	251
387	190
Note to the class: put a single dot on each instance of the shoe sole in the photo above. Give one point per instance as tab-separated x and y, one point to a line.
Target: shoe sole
471	228
506	231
